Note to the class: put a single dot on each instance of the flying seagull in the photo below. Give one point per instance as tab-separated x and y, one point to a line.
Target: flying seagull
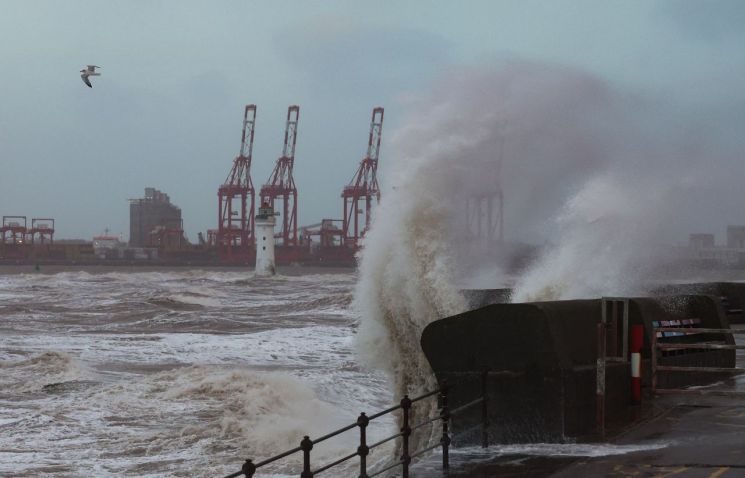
90	71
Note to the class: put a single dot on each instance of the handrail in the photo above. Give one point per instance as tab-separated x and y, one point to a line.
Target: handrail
278	457
389	467
249	467
468	405
334	433
384	412
424	450
425	422
384	440
699	330
337	462
704	345
700	346
680	368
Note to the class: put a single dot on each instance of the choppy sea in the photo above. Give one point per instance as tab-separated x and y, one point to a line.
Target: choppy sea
184	373
188	373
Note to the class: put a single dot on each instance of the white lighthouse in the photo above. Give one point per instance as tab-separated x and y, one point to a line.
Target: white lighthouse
264	227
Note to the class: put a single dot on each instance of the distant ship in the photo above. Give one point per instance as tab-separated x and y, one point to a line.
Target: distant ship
105	245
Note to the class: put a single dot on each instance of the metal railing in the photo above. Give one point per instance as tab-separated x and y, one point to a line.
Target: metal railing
709	345
250	467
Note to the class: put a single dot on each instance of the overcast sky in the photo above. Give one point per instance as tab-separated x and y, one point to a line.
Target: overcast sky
167	110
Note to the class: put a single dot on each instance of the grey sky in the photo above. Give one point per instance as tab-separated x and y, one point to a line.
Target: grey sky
166	111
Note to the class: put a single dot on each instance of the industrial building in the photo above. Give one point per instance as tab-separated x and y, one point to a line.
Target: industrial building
154	221
703	249
701	241
736	237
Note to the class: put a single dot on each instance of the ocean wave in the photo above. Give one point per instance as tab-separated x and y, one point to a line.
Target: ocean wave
174	303
35	373
125	399
196	299
215	409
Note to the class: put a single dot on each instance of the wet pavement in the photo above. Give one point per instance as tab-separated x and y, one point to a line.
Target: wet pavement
706	438
686	439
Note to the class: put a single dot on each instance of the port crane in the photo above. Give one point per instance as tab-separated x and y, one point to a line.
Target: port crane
235	234
485	207
281	184
363	187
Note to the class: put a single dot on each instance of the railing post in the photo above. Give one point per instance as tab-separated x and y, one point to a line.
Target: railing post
306	445
637	341
406	432
484	410
248	468
363	450
600	381
445	415
653	358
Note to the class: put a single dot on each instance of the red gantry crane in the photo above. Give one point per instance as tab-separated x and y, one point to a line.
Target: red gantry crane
485	207
14	233
281	184
484	215
235	233
43	230
14	230
363	187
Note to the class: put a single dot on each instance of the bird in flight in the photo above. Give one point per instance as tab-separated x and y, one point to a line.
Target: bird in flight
90	71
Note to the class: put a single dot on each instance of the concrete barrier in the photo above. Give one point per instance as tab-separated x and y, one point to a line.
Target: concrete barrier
478	298
541	358
731	296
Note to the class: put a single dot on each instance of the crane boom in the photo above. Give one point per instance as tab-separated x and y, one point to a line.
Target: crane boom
281	184
364	185
236	196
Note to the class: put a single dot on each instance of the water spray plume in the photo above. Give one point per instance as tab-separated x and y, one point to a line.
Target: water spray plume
594	176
